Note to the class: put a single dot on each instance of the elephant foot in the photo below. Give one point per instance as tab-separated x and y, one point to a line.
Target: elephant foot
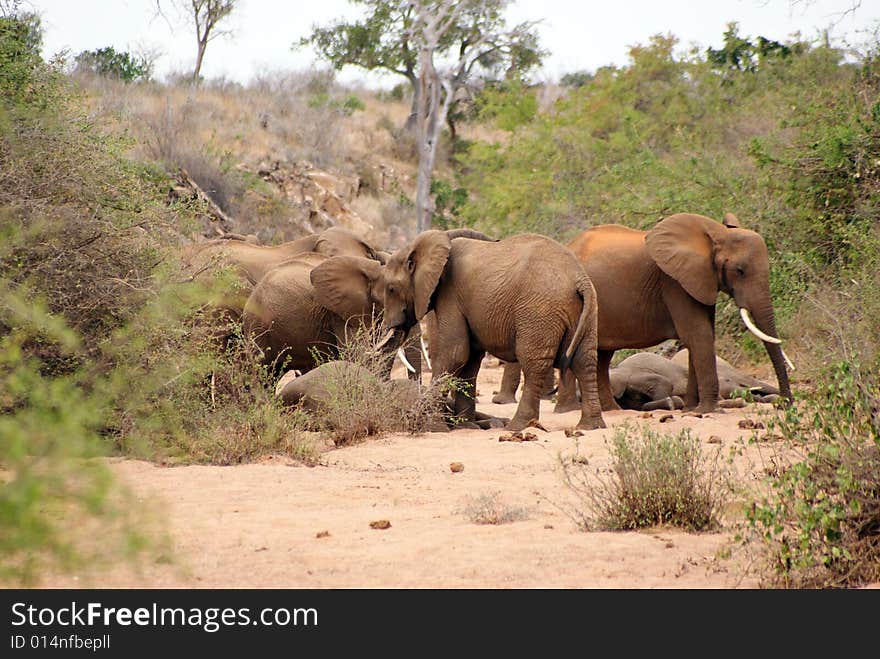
591	423
515	425
707	408
768	398
611	407
566	406
502	398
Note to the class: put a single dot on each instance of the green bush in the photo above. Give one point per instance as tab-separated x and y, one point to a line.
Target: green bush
654	479
819	524
109	63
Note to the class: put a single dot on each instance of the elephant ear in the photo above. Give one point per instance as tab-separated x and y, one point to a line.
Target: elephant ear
337	241
343	283
426	261
683	246
731	221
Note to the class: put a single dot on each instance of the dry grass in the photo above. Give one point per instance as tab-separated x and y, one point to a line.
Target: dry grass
654	479
360	401
488	508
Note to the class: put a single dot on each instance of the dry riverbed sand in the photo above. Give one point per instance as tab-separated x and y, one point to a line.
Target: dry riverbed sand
278	524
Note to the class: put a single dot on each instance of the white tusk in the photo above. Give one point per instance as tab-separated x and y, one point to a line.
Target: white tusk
385	339
747	319
409	367
787	361
425	352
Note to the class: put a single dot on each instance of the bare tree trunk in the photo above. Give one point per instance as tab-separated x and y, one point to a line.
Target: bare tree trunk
199	57
413	117
426	136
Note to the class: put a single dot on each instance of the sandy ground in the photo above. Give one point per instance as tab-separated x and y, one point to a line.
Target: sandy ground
283	525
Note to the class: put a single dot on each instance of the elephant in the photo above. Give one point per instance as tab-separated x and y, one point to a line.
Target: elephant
313	391
252	261
663	284
647	381
315	302
524	298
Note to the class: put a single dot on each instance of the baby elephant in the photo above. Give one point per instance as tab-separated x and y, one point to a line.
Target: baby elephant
647	381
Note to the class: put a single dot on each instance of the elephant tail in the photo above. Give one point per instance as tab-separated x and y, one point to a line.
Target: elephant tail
589	309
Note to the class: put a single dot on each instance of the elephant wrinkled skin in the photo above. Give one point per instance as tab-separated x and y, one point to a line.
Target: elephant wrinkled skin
646	381
524	298
313	303
663	284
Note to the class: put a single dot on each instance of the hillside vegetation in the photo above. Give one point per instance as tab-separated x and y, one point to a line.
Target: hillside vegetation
102	351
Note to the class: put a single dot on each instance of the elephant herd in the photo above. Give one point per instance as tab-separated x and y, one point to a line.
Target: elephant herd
530	301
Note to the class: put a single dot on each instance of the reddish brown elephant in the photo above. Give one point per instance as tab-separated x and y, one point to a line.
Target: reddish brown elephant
663	284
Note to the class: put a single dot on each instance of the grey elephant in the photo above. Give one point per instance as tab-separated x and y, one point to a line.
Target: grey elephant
524	298
663	284
251	261
316	389
315	303
648	381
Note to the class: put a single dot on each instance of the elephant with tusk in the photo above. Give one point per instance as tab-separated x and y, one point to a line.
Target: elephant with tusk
663	284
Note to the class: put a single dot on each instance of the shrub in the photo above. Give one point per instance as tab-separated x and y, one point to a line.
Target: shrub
109	63
488	508
362	401
654	478
819	524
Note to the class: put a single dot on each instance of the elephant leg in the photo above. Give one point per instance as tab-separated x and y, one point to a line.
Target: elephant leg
549	385
509	384
567	398
584	365
465	406
606	398
695	326
535	373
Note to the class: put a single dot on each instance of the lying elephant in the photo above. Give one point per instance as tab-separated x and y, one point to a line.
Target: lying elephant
316	389
648	381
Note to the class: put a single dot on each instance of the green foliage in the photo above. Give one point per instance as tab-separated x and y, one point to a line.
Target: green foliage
819	525
448	202
786	138
382	39
24	77
740	54
109	63
346	106
654	479
576	79
101	351
507	105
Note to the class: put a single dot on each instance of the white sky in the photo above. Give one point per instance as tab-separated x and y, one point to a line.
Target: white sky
581	35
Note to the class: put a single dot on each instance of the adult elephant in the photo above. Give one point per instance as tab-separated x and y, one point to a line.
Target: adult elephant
315	303
648	381
525	298
663	284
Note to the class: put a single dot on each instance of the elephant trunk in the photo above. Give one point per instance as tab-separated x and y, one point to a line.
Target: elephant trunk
764	328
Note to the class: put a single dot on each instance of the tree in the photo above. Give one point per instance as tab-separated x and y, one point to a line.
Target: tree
482	41
384	40
110	63
204	16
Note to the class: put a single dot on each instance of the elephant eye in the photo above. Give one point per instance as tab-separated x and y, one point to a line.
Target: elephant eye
740	270
391	290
